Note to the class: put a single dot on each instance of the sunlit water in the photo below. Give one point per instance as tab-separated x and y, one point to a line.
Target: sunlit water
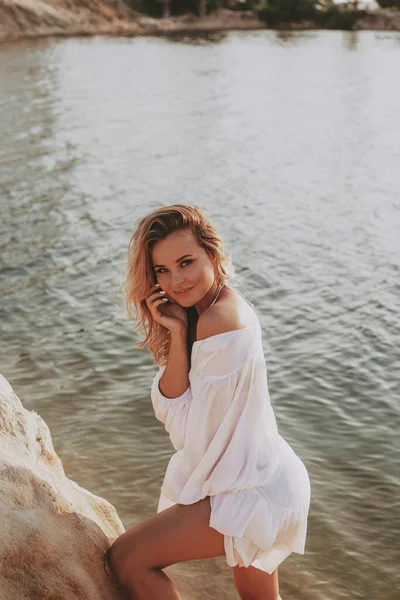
290	143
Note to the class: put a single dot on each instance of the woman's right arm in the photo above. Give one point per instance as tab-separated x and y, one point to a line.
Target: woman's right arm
170	391
171	394
175	379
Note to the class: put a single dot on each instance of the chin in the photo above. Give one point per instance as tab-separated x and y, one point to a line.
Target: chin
186	303
186	300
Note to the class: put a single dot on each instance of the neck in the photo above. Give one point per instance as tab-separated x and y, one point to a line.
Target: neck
209	299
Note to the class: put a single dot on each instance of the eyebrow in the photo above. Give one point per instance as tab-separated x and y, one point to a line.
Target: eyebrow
177	260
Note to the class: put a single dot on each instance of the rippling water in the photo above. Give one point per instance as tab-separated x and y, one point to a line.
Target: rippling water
289	142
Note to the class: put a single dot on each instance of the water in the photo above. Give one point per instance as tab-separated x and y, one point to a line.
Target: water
289	143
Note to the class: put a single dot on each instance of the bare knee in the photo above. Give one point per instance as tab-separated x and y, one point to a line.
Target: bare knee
122	563
254	584
115	562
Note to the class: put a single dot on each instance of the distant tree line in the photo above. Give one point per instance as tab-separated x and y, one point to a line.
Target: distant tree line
389	3
269	11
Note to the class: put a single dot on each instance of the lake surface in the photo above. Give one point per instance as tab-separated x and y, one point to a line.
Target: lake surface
290	143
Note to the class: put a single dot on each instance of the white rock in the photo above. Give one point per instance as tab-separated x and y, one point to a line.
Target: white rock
53	533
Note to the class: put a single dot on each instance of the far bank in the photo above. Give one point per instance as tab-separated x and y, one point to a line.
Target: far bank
21	19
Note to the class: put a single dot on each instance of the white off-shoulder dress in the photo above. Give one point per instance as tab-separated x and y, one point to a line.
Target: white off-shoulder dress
227	444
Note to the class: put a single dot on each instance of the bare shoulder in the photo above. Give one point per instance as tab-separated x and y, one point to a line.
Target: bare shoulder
216	320
228	314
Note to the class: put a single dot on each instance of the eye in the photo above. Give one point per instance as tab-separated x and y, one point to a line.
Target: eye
184	263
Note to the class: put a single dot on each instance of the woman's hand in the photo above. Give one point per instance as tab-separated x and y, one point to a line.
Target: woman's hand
166	312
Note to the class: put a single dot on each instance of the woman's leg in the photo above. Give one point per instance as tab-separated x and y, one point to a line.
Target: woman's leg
254	584
177	534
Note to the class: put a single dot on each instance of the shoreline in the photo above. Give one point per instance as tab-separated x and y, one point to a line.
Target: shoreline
21	23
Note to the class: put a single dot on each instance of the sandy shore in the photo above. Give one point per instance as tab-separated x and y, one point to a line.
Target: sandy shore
40	18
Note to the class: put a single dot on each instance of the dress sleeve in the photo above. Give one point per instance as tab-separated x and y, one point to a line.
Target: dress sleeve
231	434
171	411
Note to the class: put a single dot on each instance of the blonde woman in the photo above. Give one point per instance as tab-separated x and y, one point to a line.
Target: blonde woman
234	487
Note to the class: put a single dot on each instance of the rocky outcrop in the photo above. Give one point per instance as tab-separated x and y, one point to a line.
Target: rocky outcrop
27	18
53	533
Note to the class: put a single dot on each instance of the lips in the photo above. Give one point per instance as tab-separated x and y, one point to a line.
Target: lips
184	291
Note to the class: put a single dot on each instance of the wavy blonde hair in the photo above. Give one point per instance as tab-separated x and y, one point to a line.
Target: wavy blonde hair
140	276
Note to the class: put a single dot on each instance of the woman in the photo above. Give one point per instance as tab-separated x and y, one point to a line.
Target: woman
234	487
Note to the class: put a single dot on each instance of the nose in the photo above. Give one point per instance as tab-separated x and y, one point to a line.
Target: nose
176	279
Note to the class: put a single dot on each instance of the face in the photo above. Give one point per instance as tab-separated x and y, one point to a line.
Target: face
183	268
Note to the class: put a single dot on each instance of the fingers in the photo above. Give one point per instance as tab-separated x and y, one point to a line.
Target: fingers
156	288
155	299
155	294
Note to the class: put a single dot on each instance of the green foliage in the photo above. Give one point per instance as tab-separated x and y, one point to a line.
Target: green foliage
339	17
389	3
276	11
155	8
324	13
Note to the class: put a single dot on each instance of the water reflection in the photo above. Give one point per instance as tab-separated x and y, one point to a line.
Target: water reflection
287	37
28	177
351	39
198	38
